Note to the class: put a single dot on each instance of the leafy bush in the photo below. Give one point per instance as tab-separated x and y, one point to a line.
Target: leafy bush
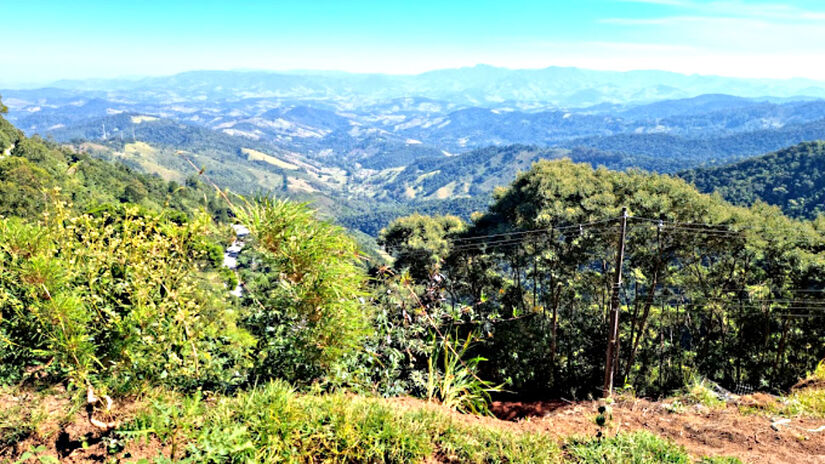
122	300
304	291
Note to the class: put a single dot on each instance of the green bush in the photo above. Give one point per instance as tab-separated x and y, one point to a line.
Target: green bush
452	378
304	291
124	301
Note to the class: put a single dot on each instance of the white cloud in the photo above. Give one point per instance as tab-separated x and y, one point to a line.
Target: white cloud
739	8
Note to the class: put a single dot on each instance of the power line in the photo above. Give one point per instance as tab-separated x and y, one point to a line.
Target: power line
535	231
500	239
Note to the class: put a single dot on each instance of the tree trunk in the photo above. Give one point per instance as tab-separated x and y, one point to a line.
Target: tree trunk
780	352
634	347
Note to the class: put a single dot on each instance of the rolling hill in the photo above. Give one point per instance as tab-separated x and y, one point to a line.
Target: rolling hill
792	178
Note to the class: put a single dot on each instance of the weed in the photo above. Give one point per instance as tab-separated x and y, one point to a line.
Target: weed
698	392
632	448
456	384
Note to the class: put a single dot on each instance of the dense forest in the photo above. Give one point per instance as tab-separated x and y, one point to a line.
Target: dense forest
34	172
111	286
791	178
702	278
685	152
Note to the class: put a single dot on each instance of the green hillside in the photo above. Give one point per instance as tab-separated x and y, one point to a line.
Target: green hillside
121	341
792	178
35	172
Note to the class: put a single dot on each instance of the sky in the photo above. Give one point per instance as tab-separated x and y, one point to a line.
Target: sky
48	40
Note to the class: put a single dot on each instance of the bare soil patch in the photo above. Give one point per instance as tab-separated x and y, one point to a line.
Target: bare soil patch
702	431
68	435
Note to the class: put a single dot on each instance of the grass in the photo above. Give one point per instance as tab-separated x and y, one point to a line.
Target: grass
698	392
275	424
808	401
255	155
15	425
633	448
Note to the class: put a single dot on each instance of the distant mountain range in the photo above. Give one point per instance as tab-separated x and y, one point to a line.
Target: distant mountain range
368	145
480	85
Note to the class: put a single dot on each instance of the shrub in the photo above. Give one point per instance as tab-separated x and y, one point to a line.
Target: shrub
304	291
122	300
452	377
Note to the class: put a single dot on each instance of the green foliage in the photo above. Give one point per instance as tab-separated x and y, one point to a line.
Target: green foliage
792	178
371	216
631	448
304	289
273	424
9	135
693	297
420	243
31	167
22	185
122	300
452	379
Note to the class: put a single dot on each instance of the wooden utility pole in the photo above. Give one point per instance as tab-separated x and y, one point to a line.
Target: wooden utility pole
613	332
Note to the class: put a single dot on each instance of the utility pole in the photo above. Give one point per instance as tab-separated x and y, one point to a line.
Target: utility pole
613	334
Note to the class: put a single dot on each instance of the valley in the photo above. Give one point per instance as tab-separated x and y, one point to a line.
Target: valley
355	144
274	267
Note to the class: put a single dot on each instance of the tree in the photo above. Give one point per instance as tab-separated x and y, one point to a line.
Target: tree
420	243
304	289
706	290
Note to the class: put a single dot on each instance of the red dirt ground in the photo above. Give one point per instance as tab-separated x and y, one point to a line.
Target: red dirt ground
700	430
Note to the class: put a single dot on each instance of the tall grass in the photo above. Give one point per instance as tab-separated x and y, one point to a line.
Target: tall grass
452	379
274	424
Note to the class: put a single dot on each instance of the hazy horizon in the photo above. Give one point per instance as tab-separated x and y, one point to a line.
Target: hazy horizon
93	39
20	85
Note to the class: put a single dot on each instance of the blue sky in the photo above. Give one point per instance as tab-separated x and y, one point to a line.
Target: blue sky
46	40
